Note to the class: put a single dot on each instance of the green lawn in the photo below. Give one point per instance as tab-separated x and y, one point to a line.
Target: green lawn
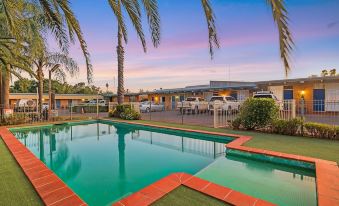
306	146
15	188
188	197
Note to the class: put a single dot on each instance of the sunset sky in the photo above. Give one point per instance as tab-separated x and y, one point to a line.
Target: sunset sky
249	43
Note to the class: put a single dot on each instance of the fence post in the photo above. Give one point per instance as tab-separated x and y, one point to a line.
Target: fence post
71	110
215	116
150	110
182	113
293	108
97	108
302	105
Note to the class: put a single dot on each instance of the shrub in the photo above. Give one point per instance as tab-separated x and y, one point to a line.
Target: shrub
323	131
236	123
288	127
89	109
14	119
130	114
116	112
258	113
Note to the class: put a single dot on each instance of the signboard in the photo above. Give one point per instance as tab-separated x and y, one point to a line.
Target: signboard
8	112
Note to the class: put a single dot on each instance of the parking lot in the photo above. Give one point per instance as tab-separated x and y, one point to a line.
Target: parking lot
203	119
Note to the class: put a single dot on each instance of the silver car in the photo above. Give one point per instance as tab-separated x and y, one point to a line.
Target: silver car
148	106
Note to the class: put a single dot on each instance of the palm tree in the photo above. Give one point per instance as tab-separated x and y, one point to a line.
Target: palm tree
57	63
57	17
133	10
333	72
132	7
280	17
324	73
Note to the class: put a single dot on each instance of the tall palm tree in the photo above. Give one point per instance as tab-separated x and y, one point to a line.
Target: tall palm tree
132	7
57	63
133	10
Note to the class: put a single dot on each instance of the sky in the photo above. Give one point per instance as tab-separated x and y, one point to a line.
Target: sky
249	43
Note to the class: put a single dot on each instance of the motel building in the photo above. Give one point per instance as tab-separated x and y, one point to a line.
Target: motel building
61	100
314	94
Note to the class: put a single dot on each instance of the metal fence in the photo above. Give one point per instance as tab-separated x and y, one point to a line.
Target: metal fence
216	115
13	114
320	111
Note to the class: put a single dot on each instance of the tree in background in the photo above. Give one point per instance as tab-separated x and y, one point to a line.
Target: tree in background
333	72
57	63
58	87
324	73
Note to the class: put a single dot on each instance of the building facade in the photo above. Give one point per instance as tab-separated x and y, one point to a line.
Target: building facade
61	100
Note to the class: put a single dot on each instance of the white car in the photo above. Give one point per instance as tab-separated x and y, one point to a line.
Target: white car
265	94
226	103
193	104
148	106
93	102
269	95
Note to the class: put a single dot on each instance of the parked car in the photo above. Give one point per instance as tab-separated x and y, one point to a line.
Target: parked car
226	103
45	106
93	102
147	106
27	105
269	95
193	104
265	94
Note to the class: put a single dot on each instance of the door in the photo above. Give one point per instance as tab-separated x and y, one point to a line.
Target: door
318	100
173	102
288	94
182	98
58	103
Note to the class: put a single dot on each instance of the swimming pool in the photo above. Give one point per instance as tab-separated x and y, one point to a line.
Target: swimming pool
105	161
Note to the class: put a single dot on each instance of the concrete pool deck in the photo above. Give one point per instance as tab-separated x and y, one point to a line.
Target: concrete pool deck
54	191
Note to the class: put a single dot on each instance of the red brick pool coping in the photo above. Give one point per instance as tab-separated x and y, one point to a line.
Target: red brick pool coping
53	191
327	172
157	190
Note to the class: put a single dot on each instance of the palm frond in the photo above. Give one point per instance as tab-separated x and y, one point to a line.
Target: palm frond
153	17
212	31
133	9
64	62
116	8
285	38
74	25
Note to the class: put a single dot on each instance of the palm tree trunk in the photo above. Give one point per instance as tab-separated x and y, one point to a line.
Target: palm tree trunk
5	87
49	93
120	52
40	89
1	87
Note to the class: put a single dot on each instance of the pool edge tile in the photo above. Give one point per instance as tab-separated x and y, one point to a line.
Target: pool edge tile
35	171
203	186
238	142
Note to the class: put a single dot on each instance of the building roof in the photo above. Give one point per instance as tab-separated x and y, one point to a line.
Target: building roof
326	79
57	96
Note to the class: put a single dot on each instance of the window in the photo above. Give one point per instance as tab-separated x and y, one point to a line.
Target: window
190	99
232	99
217	98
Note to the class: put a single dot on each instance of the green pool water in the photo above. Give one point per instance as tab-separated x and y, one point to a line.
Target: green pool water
103	162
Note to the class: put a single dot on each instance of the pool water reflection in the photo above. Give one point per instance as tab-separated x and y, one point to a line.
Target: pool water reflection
104	162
